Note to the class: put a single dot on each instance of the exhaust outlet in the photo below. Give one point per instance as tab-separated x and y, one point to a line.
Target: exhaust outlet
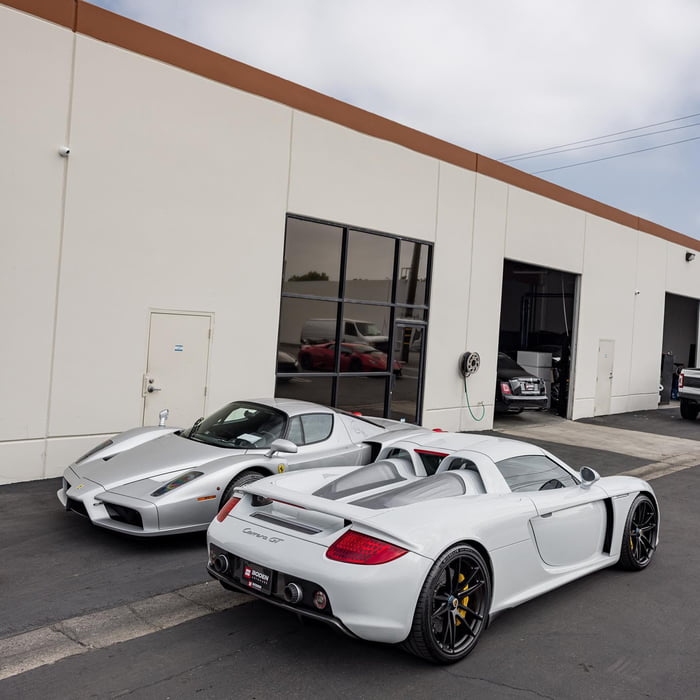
293	593
220	564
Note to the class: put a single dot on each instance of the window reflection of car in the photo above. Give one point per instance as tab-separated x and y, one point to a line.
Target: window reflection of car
286	363
354	357
323	330
516	388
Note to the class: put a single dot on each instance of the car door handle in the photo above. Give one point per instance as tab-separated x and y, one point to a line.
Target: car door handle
546	515
151	389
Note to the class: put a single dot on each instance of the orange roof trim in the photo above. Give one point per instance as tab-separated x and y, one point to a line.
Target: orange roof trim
93	21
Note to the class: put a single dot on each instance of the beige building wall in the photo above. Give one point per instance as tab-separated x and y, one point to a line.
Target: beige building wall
174	197
34	114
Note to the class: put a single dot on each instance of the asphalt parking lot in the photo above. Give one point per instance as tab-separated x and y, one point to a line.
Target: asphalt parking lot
89	613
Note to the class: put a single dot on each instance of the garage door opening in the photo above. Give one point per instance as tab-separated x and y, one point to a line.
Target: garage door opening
680	340
537	326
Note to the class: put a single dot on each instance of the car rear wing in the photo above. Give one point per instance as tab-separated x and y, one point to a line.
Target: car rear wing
350	514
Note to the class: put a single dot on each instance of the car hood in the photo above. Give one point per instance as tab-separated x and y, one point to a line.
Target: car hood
170	453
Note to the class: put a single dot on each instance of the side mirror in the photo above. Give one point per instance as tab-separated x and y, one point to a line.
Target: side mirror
162	417
588	476
281	445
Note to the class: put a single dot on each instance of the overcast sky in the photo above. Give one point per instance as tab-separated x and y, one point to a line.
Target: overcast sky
499	77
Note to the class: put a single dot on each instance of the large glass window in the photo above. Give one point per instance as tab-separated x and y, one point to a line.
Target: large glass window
413	273
346	296
369	270
312	258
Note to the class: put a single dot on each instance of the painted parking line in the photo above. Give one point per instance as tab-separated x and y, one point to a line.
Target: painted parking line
98	630
668	466
649	446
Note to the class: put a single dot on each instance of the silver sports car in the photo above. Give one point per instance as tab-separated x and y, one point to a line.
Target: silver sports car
425	545
156	481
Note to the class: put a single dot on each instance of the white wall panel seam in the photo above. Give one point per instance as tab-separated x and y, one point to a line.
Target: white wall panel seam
61	233
290	151
471	262
635	302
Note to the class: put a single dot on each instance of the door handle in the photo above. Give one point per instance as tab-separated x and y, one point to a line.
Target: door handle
151	389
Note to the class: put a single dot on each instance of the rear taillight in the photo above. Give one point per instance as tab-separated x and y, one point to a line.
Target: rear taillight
356	548
505	388
681	380
228	507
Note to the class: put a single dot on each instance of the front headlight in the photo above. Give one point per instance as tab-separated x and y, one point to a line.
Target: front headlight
177	481
94	450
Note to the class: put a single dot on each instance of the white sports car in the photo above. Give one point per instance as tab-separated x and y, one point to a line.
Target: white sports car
423	546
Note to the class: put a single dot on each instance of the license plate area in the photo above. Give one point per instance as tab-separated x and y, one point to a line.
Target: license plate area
529	388
257	577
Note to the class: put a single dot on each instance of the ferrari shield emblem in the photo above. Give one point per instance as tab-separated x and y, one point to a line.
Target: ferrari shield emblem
280	468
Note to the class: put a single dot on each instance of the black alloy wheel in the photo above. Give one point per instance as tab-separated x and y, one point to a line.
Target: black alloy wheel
452	608
639	536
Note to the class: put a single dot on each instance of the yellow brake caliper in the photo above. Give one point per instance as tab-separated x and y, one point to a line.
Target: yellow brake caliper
463	601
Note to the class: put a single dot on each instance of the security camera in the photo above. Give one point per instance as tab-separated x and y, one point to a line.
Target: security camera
63	151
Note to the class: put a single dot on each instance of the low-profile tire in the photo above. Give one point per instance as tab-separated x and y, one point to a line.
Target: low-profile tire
689	411
241	479
639	535
452	608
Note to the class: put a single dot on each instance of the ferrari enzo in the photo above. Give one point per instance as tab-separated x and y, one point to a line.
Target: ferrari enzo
354	357
427	544
161	480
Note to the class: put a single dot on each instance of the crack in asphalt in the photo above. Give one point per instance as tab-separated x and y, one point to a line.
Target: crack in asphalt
488	681
73	638
204	665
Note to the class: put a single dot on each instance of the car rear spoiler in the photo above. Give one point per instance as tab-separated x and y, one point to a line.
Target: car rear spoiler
347	512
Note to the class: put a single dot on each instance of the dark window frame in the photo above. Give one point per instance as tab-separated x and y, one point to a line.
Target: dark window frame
393	305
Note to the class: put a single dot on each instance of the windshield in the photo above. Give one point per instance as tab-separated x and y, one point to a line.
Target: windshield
240	425
368	329
504	362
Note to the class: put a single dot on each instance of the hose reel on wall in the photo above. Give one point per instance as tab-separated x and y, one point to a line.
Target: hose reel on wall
469	363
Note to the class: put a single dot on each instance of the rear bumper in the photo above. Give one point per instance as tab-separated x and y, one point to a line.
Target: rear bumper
375	603
519	403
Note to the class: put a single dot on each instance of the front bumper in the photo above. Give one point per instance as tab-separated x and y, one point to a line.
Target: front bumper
113	511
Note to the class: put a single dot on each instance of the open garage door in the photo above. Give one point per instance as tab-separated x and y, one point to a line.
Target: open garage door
680	341
537	325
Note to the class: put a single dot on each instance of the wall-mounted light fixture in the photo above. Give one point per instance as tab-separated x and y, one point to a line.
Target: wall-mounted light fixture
689	257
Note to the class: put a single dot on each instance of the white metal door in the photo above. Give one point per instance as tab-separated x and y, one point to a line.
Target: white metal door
603	386
176	371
